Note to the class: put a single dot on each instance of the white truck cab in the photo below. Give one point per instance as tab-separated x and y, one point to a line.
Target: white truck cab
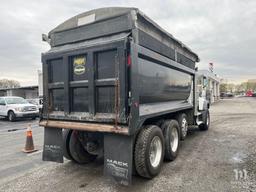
17	107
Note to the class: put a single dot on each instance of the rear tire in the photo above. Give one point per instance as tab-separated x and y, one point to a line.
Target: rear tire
206	124
11	116
66	133
172	139
183	123
77	151
149	151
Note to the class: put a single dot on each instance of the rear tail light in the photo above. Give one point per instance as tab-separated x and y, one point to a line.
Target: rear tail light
129	61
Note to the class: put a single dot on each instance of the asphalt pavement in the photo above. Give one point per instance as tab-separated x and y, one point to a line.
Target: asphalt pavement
221	159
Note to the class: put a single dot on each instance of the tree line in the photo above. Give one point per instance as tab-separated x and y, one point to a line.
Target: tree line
9	83
238	88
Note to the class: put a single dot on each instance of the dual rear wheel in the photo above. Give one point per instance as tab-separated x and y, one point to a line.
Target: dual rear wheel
73	148
153	145
149	151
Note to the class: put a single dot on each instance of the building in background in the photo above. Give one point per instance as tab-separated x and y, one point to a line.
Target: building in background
28	92
40	83
211	84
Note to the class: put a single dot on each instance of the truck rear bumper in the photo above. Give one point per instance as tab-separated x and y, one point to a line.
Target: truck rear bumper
93	127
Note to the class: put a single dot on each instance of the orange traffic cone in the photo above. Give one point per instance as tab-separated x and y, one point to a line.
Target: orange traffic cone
29	147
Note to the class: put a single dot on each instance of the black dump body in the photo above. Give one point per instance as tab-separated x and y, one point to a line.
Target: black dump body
115	66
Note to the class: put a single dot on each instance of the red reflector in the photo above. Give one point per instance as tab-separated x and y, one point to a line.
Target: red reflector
129	61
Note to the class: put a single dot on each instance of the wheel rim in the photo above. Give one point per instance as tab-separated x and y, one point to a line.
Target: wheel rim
77	151
174	139
155	151
184	127
10	116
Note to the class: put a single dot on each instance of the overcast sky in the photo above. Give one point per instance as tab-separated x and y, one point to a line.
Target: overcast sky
219	31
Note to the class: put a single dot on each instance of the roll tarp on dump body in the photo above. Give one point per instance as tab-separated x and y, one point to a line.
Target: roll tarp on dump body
107	21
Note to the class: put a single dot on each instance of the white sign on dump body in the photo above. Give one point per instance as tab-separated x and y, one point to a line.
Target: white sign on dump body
86	19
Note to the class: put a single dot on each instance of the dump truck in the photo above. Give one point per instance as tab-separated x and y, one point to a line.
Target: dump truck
118	86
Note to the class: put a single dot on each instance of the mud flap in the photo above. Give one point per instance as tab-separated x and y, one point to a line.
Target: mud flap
53	145
118	158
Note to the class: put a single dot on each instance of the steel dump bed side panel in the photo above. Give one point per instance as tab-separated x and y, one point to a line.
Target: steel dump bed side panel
161	90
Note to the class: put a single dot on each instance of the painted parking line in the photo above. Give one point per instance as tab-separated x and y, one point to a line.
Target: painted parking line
17	128
34	153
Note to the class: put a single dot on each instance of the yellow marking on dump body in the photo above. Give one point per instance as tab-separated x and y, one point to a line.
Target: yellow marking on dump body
79	61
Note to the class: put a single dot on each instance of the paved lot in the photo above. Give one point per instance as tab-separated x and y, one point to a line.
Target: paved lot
208	161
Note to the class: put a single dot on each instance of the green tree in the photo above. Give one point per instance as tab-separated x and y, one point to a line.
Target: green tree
228	87
251	86
223	87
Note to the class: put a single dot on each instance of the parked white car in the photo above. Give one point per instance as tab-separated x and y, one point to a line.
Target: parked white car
17	107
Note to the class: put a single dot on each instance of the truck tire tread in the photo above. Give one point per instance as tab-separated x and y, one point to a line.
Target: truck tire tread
141	150
205	126
78	152
179	118
66	133
167	126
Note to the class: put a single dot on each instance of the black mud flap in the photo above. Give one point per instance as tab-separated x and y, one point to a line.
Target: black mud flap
118	158
53	145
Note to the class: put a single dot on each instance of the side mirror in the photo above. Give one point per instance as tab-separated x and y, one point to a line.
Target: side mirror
2	104
46	39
